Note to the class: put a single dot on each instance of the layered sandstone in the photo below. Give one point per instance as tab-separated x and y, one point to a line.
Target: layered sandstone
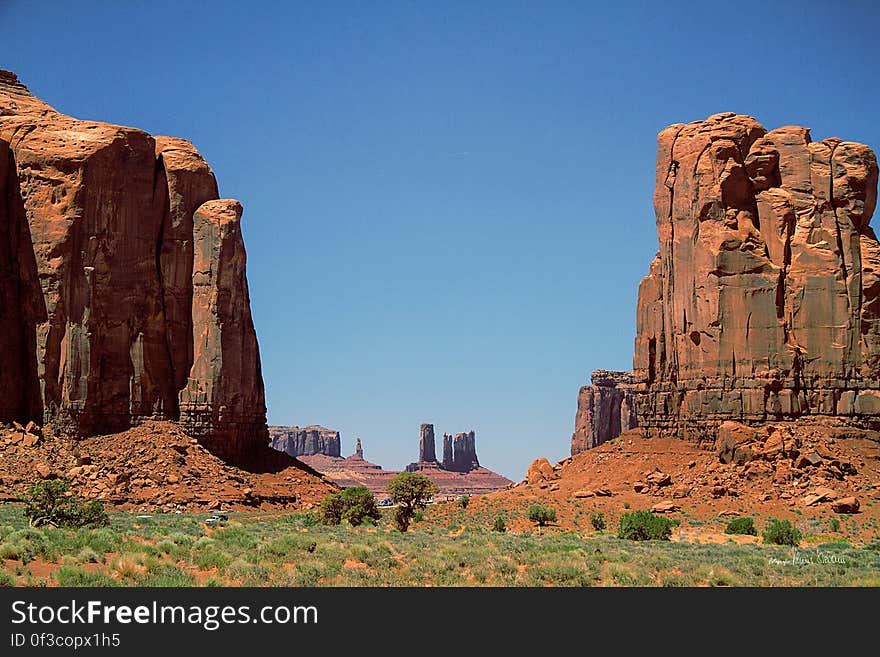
762	302
123	293
306	441
605	409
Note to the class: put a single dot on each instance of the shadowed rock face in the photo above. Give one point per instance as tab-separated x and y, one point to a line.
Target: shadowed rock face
464	452
427	443
605	409
762	302
123	293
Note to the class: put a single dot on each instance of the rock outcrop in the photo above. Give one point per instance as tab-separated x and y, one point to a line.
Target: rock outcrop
763	302
427	445
605	409
464	452
447	451
123	294
307	441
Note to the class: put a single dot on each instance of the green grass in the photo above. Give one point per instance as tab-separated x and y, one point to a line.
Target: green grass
292	550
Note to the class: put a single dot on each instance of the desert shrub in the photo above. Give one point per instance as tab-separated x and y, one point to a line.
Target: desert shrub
11	551
598	521
48	503
834	524
181	539
101	540
88	555
463	501
781	532
234	536
168	575
541	515
411	491
74	576
355	504
499	525
203	543
741	526
129	565
643	525
673	579
6	580
212	559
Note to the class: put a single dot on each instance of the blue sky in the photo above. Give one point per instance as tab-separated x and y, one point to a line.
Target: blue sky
447	205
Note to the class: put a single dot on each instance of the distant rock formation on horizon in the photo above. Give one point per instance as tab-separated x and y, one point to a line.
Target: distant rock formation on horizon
763	301
305	441
319	448
459	452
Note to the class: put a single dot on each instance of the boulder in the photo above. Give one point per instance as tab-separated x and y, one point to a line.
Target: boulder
665	507
538	471
820	494
659	478
846	505
732	440
810	459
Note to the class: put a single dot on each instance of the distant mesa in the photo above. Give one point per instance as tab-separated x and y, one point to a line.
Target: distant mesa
306	441
460	472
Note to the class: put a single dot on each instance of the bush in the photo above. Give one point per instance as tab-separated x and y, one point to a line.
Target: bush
88	555
49	503
412	492
73	576
500	525
541	515
464	500
644	526
598	521
834	524
781	532
741	526
6	580
355	504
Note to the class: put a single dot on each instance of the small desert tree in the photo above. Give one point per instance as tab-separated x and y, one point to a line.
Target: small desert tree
411	492
354	504
541	515
781	532
51	503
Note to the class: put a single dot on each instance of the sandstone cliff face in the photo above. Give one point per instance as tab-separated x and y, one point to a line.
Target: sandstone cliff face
762	302
123	293
308	441
605	409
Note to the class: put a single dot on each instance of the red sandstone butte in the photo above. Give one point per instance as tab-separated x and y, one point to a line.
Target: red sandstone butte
123	292
763	301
